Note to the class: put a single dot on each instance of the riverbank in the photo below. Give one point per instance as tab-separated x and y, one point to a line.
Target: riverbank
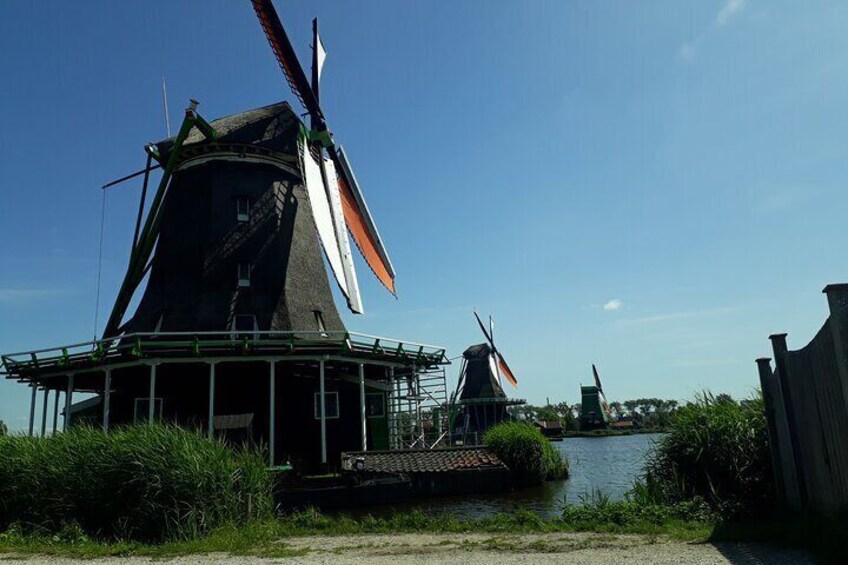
473	549
611	433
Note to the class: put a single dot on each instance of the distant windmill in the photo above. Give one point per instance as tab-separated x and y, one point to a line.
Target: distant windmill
594	410
480	401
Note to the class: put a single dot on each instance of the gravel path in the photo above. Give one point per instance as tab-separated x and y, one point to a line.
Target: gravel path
479	549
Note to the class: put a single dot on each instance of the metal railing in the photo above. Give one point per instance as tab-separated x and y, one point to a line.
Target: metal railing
223	343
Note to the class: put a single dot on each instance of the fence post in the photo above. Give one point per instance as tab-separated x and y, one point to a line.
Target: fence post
837	301
776	443
779	347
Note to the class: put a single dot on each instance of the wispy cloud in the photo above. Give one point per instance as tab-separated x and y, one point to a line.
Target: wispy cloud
19	295
613	305
730	9
728	12
683	315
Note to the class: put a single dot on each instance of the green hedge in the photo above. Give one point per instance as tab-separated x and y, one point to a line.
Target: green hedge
147	483
529	455
717	450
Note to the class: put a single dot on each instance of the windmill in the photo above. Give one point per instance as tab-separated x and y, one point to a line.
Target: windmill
594	410
245	195
480	400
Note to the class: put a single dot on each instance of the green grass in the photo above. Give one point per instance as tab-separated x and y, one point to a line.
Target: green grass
268	537
529	455
150	483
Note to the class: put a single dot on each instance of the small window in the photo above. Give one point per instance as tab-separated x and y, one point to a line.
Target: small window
331	405
375	405
242	208
244	270
142	410
244	325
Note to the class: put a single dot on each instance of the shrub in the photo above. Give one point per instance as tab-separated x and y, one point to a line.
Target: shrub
529	455
146	482
716	450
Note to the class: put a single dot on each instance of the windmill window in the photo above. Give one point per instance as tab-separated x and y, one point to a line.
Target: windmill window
375	405
242	208
244	270
331	405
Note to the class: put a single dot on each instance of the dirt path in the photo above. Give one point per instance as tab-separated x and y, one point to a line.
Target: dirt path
479	549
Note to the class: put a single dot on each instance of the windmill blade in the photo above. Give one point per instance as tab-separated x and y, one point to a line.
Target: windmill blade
322	213
287	58
354	299
492	328
485	333
506	371
597	378
360	222
494	372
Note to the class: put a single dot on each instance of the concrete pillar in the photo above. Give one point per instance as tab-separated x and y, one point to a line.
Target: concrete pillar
44	412
321	404
69	398
362	414
272	416
151	409
32	408
107	395
211	426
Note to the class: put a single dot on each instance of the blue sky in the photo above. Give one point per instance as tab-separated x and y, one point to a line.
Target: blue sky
654	187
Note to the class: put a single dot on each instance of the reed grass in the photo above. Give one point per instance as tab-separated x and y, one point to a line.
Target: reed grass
529	455
716	450
149	483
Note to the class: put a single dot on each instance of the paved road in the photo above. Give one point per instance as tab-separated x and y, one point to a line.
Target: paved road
478	549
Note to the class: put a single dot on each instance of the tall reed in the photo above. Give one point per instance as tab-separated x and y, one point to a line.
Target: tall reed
717	449
144	482
529	455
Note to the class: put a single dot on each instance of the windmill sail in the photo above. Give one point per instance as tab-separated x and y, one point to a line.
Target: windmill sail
354	299
323	215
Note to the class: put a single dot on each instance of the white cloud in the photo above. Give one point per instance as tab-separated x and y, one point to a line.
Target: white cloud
613	305
730	9
685	315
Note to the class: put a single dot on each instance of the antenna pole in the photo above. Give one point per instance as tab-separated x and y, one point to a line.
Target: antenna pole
165	108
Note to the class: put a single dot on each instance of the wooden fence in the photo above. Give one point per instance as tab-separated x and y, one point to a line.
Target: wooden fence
806	403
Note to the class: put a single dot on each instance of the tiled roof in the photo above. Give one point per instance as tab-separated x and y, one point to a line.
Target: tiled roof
425	460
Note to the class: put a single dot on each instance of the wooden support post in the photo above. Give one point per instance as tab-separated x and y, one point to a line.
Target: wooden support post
392	415
321	404
107	386
32	408
211	427
44	412
151	409
362	414
69	398
55	412
273	412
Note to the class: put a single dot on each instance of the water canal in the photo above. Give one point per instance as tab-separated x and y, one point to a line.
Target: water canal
609	464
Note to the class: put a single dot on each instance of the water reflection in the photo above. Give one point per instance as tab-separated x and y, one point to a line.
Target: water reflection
609	464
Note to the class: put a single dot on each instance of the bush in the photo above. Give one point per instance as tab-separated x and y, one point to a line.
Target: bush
529	455
148	483
716	450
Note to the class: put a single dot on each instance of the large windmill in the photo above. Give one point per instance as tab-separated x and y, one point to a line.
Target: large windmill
480	400
228	239
236	328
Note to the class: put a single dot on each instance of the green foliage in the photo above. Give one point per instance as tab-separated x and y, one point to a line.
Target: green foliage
717	449
529	455
143	482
